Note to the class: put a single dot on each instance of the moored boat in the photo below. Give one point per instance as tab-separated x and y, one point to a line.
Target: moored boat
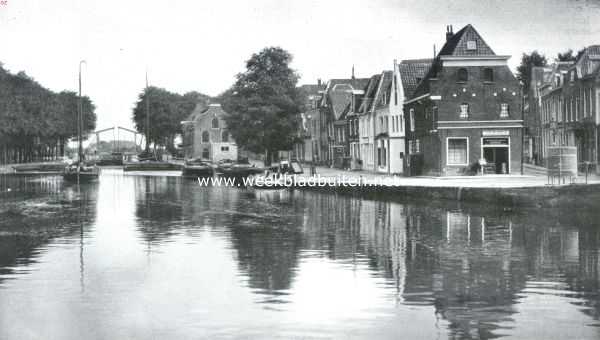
81	173
197	168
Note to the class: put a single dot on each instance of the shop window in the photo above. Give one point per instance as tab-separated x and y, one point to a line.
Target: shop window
462	75
205	137
457	151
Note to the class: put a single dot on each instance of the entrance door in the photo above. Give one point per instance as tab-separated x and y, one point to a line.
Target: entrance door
496	153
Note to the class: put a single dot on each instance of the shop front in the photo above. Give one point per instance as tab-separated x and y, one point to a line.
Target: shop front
496	155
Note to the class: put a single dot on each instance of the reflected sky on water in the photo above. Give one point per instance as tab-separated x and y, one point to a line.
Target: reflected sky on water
160	257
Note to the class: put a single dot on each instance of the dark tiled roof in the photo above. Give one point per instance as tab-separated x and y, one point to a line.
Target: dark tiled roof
412	71
201	109
457	44
339	93
589	62
384	87
370	93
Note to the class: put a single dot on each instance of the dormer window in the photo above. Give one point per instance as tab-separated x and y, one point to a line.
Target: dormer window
464	110
462	75
488	74
504	112
471	45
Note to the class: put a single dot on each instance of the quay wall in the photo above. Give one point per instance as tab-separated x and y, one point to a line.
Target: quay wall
576	195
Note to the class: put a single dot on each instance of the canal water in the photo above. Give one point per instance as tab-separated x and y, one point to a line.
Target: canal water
140	257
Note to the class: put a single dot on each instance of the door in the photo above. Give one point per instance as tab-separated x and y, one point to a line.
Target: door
498	158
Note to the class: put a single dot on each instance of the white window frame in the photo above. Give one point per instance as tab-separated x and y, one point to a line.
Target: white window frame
498	146
412	119
503	113
448	147
460	111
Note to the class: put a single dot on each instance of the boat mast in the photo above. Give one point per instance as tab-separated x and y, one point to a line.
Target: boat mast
147	125
80	119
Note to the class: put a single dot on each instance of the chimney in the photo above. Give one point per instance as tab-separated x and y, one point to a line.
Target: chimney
353	72
434	51
449	32
319	82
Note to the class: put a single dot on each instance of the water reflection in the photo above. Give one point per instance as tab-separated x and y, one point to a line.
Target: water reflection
161	256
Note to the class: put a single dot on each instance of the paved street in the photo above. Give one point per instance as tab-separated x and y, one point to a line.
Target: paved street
487	181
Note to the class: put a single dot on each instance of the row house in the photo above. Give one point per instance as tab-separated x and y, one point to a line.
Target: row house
381	122
542	84
309	148
532	140
339	103
466	112
570	102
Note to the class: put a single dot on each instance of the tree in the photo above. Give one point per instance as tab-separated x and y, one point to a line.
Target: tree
166	111
528	61
36	122
568	55
264	103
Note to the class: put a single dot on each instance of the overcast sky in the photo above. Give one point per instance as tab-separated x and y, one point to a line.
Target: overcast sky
201	45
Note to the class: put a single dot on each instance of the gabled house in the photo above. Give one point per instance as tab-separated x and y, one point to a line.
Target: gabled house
205	134
308	150
382	127
466	112
338	101
367	124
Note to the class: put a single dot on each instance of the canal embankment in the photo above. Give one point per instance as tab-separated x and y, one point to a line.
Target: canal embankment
504	190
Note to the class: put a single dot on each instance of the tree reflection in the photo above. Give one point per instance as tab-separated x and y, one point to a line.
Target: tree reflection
37	210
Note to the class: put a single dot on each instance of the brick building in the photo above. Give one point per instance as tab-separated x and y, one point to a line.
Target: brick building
570	105
466	109
338	107
205	134
310	131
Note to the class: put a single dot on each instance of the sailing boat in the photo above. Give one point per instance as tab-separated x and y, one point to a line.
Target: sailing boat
79	171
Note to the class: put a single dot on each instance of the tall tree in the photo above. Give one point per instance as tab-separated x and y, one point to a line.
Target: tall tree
528	61
166	111
264	103
36	121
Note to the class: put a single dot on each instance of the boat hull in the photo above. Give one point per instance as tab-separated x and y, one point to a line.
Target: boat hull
191	171
151	166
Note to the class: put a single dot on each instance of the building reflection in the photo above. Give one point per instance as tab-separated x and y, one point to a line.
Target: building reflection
471	266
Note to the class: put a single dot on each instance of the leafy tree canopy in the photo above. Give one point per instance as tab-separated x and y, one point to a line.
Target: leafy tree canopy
166	111
528	61
264	103
569	56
